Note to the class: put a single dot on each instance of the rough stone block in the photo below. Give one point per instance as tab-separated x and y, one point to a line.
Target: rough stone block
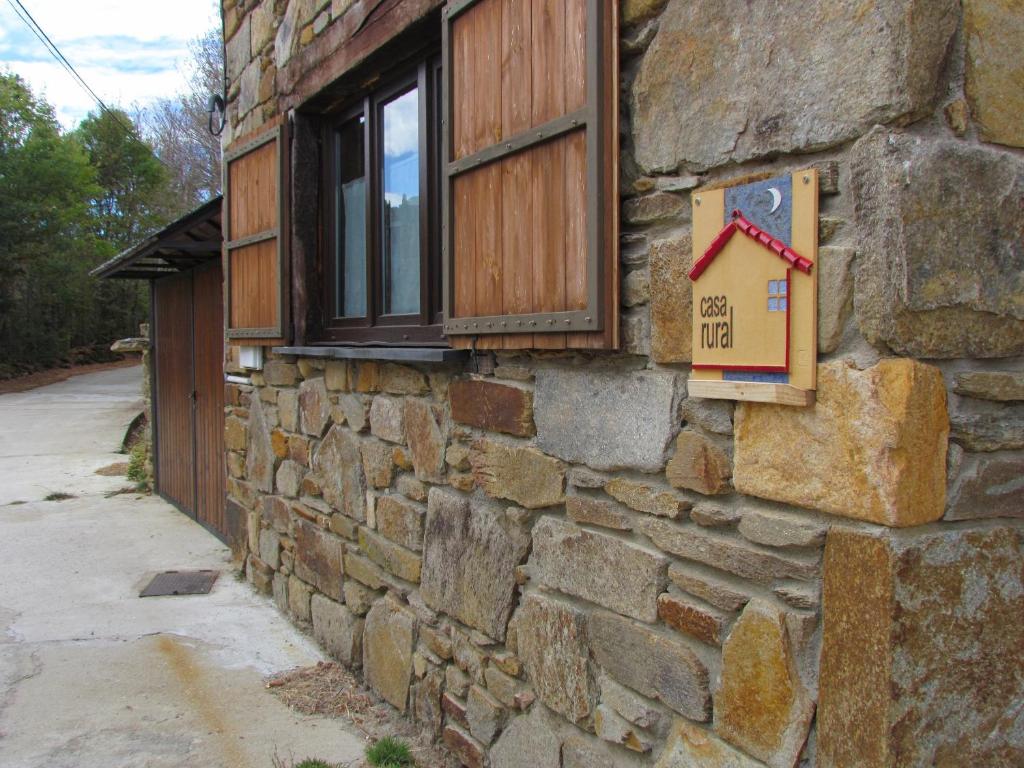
389	636
835	295
591	511
280	592
289	478
613	573
336	375
402	380
671	301
761	705
278	373
396	560
630	705
491	406
235	434
338	462
259	458
485	715
319	558
699	465
711	589
357	411
358	598
690	745
425	700
238	53
468	750
646	498
299	595
270	548
617	730
651	663
582	416
378	463
692	618
1000	430
314	406
338	630
387	419
711	415
936	280
728	553
921	658
988	485
529	740
523	475
470	556
872	448
1001	386
995	73
776	528
706	55
401	521
427	433
658	206
552	638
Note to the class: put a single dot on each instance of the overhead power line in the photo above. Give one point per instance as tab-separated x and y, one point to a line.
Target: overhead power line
26	17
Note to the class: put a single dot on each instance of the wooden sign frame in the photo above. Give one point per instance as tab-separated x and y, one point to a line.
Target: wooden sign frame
755	290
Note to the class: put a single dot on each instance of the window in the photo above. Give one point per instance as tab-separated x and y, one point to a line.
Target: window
777	290
381	248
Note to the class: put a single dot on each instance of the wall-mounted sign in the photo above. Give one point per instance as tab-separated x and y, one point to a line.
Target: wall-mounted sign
755	292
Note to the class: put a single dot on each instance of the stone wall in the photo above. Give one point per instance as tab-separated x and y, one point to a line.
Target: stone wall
564	560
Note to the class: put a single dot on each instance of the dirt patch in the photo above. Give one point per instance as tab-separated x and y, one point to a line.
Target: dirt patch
330	690
59	496
118	469
55	375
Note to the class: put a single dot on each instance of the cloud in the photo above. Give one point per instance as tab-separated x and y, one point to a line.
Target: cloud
129	52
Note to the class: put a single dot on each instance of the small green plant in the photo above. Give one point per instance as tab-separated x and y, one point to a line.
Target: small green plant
313	763
389	753
137	464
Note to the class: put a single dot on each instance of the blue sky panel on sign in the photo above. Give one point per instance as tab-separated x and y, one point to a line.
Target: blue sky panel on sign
767	204
762	378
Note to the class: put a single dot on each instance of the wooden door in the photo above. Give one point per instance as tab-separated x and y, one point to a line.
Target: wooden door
188	313
174	427
208	346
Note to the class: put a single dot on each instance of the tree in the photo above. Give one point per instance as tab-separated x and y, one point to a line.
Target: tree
178	126
46	239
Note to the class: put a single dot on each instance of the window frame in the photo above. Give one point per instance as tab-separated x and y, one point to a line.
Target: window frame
424	328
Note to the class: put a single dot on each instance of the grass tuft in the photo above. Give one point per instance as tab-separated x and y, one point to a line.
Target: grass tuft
59	496
389	753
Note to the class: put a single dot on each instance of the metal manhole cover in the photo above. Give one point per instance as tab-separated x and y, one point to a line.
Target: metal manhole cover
180	583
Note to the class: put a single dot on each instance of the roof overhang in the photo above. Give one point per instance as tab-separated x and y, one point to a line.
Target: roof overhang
192	240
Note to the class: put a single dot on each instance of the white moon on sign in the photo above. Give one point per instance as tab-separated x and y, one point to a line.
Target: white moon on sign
776	199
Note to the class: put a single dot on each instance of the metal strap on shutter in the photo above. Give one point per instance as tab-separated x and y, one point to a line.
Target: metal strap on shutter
255	240
531	175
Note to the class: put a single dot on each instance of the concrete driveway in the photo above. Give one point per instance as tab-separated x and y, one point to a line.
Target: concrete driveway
91	675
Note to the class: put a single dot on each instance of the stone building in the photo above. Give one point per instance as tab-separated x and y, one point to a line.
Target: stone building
538	546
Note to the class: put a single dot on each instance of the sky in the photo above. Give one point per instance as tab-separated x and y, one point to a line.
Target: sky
130	52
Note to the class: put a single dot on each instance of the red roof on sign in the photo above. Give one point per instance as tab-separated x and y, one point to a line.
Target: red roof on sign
740	224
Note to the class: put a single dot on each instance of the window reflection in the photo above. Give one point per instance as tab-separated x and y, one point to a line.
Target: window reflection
350	220
400	205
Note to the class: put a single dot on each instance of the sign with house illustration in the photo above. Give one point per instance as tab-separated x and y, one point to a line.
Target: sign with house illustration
755	249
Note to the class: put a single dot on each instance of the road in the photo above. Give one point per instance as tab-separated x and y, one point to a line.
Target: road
91	675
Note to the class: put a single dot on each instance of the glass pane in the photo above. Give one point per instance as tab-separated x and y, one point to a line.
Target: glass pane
773	288
350	224
782	287
773	305
401	205
782	305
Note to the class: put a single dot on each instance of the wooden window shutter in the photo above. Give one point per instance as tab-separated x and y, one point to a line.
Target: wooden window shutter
255	237
531	183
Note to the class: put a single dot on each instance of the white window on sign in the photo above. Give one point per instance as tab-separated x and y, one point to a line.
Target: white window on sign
777	295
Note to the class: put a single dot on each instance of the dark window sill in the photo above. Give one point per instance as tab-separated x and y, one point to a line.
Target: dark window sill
402	354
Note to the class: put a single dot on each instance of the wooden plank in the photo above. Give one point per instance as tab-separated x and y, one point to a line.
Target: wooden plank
486	74
172	353
488	247
461	45
548	55
517	224
757	392
463	262
548	192
254	285
576	230
575	54
210	468
516	68
252	198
